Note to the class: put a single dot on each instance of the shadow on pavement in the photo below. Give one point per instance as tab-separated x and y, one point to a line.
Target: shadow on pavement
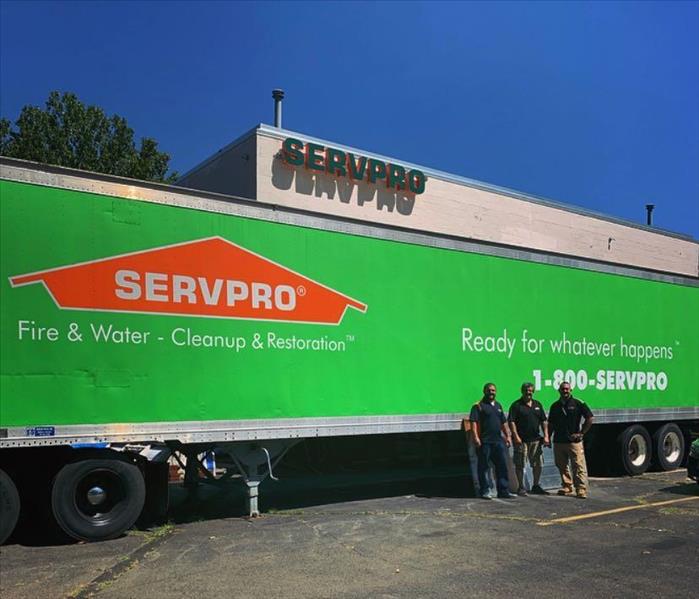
38	531
689	489
229	500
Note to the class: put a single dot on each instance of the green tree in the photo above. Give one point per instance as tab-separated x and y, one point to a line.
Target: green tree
68	133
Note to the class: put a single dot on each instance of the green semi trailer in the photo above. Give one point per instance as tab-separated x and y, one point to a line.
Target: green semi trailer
142	321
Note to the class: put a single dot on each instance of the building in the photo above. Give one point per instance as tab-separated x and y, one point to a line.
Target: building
313	175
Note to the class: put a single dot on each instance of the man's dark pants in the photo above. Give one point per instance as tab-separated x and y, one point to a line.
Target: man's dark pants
495	453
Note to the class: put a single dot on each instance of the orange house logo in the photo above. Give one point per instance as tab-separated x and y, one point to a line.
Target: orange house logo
209	277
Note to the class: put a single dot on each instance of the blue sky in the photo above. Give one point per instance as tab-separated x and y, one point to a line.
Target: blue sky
592	104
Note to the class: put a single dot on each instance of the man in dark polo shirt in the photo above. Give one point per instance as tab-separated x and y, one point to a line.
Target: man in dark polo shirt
565	419
488	425
528	421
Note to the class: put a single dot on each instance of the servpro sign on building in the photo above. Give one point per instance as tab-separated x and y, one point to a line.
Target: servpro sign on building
316	157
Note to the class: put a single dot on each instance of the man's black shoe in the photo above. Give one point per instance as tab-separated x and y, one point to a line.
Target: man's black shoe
537	490
507	496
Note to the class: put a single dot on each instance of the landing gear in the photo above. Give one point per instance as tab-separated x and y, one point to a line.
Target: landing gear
252	462
255	463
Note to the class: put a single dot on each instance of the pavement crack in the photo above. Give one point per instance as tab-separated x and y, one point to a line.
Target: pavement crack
125	563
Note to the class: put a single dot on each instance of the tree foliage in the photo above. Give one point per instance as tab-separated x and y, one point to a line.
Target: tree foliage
68	133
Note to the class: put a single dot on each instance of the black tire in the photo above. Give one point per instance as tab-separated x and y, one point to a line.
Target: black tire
85	513
635	449
9	506
668	446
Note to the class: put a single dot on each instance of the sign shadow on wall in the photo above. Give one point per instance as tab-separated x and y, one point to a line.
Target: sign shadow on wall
322	185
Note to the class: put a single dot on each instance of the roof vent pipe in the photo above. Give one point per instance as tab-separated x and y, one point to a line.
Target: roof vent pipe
278	95
649	214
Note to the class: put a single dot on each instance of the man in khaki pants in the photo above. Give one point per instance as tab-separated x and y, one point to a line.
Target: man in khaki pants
565	417
528	420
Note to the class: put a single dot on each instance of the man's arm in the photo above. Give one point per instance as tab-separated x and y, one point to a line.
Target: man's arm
551	421
511	417
506	431
587	424
475	431
515	434
544	424
505	427
474	416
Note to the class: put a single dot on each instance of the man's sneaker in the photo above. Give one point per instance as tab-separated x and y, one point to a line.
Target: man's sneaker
486	496
565	491
507	496
522	493
580	495
537	490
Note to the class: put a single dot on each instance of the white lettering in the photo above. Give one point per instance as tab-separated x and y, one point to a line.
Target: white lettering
29	329
156	282
110	334
210	296
183	288
502	344
186	338
179	289
128	279
261	294
236	291
287	304
619	383
650	385
176	337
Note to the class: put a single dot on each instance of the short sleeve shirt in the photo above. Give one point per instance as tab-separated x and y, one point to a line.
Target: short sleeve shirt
490	418
565	419
527	419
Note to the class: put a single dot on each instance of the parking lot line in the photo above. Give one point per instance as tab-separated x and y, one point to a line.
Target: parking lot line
618	510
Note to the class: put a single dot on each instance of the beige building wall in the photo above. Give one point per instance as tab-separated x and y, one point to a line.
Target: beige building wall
456	209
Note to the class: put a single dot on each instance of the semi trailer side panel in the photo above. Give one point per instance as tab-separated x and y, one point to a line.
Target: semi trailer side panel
117	311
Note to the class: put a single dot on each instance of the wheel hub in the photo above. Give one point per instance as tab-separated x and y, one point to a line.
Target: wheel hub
96	495
671	448
638	450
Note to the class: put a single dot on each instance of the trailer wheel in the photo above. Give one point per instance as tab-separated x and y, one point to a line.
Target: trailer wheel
668	444
635	446
97	499
9	506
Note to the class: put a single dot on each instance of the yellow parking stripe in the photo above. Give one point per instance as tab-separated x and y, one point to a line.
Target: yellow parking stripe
614	511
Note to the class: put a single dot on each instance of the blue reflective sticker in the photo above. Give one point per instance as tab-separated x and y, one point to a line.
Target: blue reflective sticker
89	445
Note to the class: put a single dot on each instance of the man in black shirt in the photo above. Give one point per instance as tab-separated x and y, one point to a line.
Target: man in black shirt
564	422
528	420
488	424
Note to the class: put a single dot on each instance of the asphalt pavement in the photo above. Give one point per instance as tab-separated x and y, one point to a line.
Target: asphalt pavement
634	537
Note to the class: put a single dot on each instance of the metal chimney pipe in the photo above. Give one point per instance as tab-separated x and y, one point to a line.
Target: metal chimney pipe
278	95
649	214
